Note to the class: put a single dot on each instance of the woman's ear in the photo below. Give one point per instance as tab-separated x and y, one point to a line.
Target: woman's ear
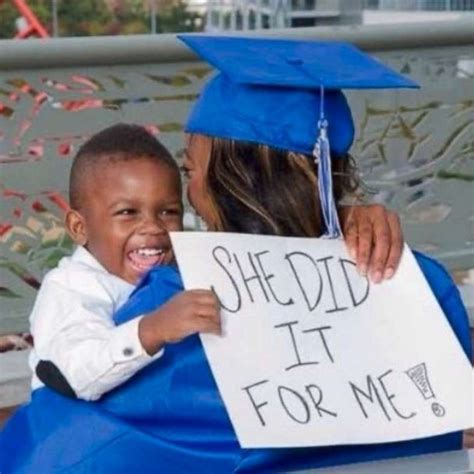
76	227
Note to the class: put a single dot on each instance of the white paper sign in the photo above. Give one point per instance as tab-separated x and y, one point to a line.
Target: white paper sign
314	354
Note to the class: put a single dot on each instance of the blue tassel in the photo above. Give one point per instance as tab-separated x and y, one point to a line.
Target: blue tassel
323	159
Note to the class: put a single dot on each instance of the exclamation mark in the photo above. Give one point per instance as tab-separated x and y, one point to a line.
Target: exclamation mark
419	376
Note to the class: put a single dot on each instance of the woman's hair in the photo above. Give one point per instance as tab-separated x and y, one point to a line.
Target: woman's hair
257	189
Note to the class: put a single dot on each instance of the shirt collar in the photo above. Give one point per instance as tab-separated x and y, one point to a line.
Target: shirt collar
82	255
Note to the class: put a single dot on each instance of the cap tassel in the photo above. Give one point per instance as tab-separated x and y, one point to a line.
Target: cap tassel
322	157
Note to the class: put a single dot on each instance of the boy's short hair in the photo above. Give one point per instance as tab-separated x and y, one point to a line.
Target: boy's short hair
120	142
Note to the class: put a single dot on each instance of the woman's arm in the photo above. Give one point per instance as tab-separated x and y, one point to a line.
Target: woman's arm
374	238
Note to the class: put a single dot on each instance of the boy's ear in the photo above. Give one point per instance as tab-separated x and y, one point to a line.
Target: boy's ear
76	227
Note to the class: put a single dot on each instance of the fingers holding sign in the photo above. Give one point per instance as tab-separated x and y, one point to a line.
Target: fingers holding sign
374	239
187	313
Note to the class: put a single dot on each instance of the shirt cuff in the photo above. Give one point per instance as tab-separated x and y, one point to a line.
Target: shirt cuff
126	346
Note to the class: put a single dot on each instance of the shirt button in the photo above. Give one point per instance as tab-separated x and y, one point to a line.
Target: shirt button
128	351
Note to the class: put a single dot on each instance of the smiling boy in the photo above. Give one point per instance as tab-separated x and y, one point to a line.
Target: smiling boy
125	197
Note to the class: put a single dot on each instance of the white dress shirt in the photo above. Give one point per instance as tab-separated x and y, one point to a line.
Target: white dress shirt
72	326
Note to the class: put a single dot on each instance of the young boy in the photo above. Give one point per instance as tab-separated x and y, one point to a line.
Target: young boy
125	196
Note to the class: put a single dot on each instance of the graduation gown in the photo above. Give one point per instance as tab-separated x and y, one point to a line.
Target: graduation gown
170	418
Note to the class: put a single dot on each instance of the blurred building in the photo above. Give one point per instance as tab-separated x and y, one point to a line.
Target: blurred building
409	11
423	5
224	15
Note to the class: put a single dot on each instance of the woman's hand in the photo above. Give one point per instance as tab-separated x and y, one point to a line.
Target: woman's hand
374	239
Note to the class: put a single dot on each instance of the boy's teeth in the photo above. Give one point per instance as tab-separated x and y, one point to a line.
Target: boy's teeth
147	257
149	252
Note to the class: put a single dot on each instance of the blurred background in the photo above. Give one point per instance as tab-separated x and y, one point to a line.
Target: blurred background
64	18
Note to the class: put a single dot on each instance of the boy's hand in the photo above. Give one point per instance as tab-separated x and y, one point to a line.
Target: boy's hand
186	313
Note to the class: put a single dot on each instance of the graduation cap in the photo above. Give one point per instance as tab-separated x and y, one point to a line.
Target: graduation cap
286	94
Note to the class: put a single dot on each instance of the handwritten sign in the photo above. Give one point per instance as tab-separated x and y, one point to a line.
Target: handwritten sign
314	354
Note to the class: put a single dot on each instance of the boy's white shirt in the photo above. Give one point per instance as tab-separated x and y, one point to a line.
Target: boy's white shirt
72	326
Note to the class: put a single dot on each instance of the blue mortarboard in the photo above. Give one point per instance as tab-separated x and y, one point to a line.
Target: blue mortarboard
286	94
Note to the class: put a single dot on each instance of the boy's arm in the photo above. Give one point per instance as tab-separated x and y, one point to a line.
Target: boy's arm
74	332
187	313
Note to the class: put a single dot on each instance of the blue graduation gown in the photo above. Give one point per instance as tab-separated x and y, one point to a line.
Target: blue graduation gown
170	418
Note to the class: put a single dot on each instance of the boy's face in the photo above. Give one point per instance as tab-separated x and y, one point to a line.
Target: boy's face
129	208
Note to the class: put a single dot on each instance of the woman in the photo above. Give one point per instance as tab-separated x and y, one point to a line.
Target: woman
170	417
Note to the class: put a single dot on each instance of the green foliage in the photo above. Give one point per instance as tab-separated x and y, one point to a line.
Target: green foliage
176	18
172	16
83	18
7	20
97	17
